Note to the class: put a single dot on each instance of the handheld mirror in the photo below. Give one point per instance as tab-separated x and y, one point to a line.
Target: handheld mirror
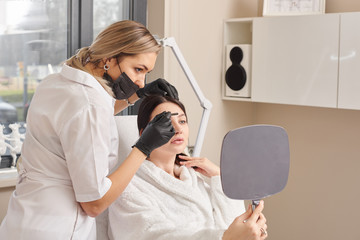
254	162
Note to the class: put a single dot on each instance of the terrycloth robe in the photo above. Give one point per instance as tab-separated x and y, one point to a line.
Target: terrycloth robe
155	205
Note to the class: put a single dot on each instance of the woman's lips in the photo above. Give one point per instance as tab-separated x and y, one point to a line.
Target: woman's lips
177	141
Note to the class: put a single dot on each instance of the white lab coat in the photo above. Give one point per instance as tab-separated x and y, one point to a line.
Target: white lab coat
155	205
71	142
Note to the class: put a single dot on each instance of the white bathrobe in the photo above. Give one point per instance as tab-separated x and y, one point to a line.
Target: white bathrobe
155	205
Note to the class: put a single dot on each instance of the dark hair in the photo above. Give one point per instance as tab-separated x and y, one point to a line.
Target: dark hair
146	108
148	105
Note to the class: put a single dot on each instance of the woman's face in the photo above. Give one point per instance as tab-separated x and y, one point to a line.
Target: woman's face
179	141
135	66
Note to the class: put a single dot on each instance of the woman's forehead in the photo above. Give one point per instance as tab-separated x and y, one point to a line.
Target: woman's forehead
167	106
144	59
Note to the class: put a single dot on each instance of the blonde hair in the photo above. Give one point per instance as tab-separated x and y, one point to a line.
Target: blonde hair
119	39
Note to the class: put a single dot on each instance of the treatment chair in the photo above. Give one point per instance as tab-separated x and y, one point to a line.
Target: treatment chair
128	135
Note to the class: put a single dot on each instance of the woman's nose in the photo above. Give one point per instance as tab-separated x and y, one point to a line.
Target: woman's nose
140	83
177	127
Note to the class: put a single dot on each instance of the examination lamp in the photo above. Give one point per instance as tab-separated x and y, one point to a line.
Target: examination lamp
205	103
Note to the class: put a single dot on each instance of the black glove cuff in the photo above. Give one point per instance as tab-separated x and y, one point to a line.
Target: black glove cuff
142	148
140	92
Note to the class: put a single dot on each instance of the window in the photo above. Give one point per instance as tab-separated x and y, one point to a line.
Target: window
33	40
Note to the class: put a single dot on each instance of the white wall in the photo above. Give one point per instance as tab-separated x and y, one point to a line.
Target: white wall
320	199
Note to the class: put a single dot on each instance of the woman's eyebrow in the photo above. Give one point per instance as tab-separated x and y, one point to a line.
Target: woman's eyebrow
144	66
177	114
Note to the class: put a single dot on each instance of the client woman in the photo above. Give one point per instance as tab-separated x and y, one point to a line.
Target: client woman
167	199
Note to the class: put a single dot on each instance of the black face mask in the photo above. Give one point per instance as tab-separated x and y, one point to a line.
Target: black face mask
123	87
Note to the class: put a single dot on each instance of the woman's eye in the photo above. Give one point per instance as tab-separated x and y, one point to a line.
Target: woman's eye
138	69
182	122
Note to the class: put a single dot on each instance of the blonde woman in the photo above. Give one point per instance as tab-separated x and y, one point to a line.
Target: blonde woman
167	199
71	139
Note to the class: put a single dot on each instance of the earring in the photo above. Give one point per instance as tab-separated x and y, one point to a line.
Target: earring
106	67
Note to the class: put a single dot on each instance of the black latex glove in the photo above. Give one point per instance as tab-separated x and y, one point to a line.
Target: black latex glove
158	132
158	87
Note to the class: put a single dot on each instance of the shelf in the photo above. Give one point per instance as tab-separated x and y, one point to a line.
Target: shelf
306	60
237	34
241	99
238	31
8	177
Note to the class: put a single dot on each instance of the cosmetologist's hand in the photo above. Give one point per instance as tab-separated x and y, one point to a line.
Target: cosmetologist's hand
158	87
158	132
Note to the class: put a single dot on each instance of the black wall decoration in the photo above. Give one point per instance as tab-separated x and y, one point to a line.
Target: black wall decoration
235	75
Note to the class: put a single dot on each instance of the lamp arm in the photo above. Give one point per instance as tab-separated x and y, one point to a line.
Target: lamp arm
201	133
205	103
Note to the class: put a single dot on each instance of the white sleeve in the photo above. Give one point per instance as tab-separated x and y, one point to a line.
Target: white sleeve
134	217
86	140
225	209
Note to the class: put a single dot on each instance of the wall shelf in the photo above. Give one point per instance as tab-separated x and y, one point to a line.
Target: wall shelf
308	60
